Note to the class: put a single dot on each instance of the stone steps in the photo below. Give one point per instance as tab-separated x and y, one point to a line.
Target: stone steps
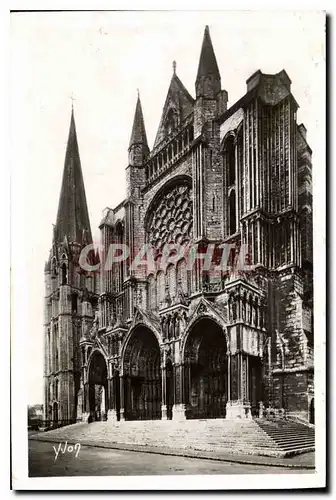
291	438
245	436
210	435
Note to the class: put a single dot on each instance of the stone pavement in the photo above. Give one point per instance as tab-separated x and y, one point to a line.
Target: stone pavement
304	461
94	461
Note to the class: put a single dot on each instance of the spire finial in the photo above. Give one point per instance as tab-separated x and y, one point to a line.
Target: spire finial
72	101
174	67
138	92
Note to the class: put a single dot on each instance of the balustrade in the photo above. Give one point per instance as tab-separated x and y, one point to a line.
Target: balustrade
167	156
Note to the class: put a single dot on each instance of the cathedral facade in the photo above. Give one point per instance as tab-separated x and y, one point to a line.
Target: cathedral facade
174	340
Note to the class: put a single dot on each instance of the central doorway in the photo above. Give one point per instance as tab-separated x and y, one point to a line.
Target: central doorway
206	371
98	387
142	376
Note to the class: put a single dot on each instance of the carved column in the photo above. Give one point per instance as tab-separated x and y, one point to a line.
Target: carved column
112	409
235	406
164	392
122	397
179	397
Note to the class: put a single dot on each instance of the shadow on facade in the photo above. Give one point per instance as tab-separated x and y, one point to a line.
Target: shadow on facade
98	399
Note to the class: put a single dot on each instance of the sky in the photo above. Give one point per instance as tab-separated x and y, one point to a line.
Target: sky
98	60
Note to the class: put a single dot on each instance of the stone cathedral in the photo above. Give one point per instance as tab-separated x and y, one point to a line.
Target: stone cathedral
172	342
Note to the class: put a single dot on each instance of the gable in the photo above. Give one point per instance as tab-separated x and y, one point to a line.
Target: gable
178	106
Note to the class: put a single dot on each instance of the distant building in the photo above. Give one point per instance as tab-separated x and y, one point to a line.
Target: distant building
176	343
35	416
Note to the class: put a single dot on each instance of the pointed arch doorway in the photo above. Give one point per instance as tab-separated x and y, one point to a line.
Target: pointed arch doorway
206	369
98	399
142	376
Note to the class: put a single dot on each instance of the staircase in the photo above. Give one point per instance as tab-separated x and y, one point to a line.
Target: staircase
291	438
213	435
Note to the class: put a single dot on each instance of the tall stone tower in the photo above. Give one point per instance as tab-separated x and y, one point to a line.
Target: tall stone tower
67	291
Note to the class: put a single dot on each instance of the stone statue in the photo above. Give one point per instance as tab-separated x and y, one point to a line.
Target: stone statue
95	326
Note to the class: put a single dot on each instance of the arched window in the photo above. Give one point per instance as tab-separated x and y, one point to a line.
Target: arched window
64	274
171	121
74	302
120	266
49	351
250	320
160	282
56	389
230	161
234	311
240	154
183	277
232	212
53	268
151	292
171	281
56	357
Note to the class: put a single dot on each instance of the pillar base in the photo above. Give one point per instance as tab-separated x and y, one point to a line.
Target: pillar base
179	412
122	415
238	410
164	412
85	416
112	417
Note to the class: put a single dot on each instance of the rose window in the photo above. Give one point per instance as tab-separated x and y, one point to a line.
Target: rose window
172	219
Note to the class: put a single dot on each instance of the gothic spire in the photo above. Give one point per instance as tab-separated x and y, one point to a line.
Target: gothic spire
138	135
207	63
207	66
72	216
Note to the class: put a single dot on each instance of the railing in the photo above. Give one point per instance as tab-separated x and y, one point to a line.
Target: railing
170	152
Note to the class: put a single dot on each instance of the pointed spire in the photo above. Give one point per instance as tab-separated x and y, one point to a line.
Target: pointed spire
207	68
207	63
138	135
72	215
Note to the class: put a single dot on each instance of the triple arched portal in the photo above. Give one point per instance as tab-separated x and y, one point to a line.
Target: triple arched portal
152	385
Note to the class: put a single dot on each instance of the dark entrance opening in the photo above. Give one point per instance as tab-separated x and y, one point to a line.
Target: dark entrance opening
98	387
255	389
55	413
312	412
142	376
206	371
169	389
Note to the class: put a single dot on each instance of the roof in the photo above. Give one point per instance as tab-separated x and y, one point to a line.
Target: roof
178	99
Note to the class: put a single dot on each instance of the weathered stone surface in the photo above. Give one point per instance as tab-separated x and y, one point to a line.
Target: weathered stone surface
247	170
